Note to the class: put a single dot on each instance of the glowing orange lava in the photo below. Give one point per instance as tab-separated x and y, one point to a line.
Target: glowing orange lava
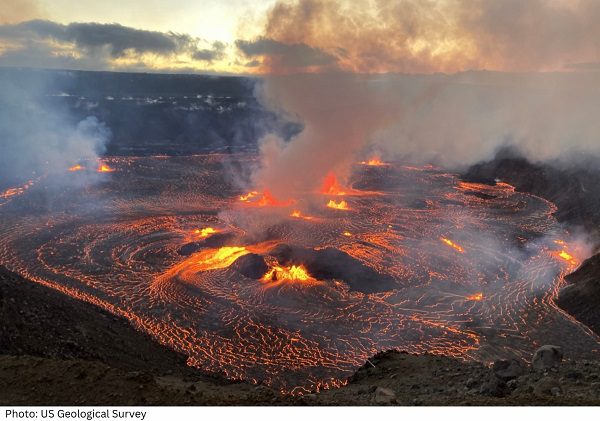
267	199
563	254
342	205
452	244
475	297
219	258
298	214
248	196
287	273
374	162
347	234
104	168
76	168
205	232
15	191
331	186
263	199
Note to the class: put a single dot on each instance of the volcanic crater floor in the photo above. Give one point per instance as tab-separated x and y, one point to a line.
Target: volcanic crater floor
430	264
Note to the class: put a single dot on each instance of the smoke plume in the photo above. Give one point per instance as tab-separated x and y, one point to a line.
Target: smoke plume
452	121
38	137
351	101
425	36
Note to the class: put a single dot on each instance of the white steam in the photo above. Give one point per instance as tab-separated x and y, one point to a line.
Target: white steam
448	120
39	137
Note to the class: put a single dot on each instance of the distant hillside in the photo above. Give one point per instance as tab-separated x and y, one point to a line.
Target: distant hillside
98	84
149	114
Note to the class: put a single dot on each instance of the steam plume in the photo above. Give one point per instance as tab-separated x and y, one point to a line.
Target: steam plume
38	137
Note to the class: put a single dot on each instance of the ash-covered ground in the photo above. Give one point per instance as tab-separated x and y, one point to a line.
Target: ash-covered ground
447	267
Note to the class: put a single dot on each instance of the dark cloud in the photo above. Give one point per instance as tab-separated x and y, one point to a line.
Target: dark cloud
296	55
217	52
117	39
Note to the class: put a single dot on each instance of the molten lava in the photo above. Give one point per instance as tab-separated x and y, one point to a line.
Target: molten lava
205	232
452	244
298	214
219	258
104	168
287	273
15	191
342	205
248	196
267	199
564	254
374	162
475	297
274	324
76	168
263	199
331	186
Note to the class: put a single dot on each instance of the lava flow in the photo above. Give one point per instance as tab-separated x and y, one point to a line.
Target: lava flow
250	292
475	297
299	215
341	205
76	168
264	199
104	168
374	162
13	192
219	258
452	244
205	232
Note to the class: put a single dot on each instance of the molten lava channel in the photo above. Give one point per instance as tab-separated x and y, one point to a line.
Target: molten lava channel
219	258
452	244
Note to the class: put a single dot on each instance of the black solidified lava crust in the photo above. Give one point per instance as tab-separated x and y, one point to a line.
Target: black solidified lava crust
330	263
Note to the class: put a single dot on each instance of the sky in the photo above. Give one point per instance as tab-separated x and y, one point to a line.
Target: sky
299	36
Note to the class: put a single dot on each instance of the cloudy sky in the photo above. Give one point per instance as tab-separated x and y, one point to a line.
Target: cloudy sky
289	36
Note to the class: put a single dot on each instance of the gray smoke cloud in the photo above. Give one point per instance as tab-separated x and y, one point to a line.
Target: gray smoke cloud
91	45
39	138
448	120
297	55
426	36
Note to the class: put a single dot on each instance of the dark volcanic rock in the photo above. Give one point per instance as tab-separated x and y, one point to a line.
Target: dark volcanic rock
42	322
331	263
251	266
580	298
494	387
507	370
214	241
547	386
575	190
547	357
